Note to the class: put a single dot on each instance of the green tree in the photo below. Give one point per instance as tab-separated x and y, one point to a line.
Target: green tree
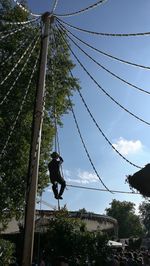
59	84
66	238
7	250
144	210
128	222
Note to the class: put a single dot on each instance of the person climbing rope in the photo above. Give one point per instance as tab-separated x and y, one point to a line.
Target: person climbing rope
55	175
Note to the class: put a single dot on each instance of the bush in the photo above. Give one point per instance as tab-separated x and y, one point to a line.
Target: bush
7	250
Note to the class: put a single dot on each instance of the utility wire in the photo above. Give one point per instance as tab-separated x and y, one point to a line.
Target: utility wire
10	33
5	60
103	190
20	109
54	6
11	23
21	71
82	10
95	122
106	93
106	34
104	53
87	153
106	69
26	10
53	93
16	65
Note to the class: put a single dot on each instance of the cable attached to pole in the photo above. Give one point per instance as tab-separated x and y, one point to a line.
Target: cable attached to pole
54	6
104	190
82	10
11	23
18	62
26	10
20	73
102	89
10	33
95	122
100	128
106	34
106	69
87	153
20	109
101	52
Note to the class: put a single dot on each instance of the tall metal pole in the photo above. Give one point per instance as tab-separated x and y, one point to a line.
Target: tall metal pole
35	149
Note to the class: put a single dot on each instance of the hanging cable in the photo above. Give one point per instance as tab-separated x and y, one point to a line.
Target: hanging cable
16	65
95	122
87	153
106	93
103	53
26	10
106	34
59	152
54	108
82	10
22	44
21	71
54	97
20	109
57	137
54	6
12	32
11	23
4	32
103	190
106	69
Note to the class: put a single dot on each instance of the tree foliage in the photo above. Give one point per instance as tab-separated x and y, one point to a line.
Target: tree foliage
144	210
68	237
6	252
128	222
15	158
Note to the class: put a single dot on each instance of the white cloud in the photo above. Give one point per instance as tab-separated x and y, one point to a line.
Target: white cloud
48	190
126	147
66	173
83	177
87	177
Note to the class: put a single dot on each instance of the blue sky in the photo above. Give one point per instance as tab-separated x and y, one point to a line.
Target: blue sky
129	135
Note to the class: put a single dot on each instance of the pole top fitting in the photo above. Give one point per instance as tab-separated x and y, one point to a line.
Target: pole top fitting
46	16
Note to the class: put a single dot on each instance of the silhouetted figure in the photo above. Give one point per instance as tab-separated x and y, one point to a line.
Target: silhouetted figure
55	175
